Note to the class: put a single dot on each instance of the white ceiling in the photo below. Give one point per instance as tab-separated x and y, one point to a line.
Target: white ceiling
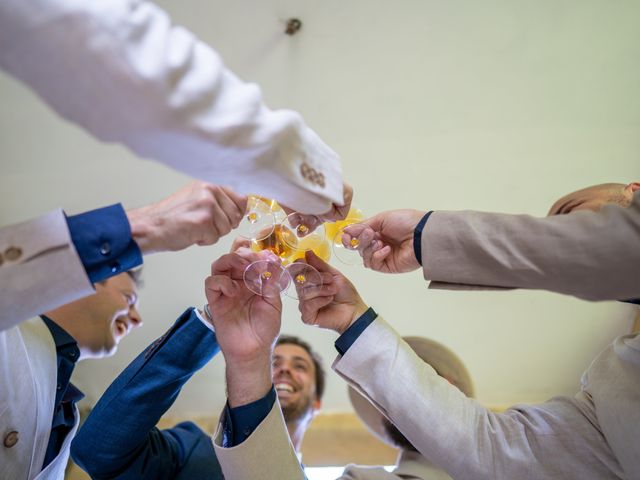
494	105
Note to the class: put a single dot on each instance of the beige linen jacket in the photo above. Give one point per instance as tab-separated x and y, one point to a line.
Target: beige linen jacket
591	436
269	455
46	273
409	466
28	372
595	256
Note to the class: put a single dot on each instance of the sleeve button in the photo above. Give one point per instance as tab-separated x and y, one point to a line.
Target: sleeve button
12	254
11	439
105	249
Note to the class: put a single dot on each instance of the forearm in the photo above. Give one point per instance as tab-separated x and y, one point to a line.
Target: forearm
588	255
119	430
248	381
30	251
453	431
156	88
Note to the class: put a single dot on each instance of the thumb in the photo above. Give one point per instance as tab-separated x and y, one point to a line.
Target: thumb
239	200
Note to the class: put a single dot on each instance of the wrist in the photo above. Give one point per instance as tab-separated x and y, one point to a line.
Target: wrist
358	310
141	229
247	381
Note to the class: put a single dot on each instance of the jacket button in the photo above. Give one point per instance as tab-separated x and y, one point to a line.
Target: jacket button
12	253
11	439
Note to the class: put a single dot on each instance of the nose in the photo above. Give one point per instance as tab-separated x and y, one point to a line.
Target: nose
134	317
281	368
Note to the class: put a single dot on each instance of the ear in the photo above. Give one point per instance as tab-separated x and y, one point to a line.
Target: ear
632	188
317	405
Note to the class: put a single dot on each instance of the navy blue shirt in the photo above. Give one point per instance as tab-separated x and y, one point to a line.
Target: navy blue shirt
67	354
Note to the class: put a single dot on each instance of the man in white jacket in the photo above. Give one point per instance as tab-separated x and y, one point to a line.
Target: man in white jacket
121	70
55	259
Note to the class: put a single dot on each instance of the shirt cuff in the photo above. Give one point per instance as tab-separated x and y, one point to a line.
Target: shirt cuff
104	243
417	236
206	322
351	334
240	422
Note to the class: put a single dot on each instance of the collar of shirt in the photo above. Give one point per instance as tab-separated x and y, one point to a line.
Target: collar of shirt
67	354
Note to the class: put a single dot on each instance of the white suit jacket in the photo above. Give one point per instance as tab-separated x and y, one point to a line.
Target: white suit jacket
595	256
120	69
47	274
592	436
28	373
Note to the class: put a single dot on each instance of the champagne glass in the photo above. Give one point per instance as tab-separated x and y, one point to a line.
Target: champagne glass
288	240
305	232
259	220
266	278
349	237
303	277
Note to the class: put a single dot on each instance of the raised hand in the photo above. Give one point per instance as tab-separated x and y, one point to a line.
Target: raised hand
335	305
392	250
197	214
246	326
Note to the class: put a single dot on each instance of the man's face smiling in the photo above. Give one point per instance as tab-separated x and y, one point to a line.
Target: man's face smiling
294	377
114	308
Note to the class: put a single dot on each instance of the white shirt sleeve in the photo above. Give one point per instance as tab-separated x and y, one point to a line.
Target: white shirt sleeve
207	323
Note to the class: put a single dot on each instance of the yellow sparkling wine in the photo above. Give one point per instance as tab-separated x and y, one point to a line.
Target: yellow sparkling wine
355	215
323	250
276	242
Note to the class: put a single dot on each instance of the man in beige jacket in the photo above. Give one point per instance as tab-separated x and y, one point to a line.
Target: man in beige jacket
593	435
410	464
592	253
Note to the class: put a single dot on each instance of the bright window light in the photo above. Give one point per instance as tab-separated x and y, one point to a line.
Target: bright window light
329	473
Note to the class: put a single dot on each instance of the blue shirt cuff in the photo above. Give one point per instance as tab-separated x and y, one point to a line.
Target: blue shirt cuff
351	334
104	243
240	422
417	236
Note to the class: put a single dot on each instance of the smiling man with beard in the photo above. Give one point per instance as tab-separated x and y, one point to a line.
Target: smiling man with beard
299	379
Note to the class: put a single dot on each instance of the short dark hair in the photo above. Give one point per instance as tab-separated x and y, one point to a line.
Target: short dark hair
317	360
136	276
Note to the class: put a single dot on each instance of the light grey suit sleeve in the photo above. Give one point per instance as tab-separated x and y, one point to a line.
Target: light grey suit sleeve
39	269
556	439
595	256
120	69
267	453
